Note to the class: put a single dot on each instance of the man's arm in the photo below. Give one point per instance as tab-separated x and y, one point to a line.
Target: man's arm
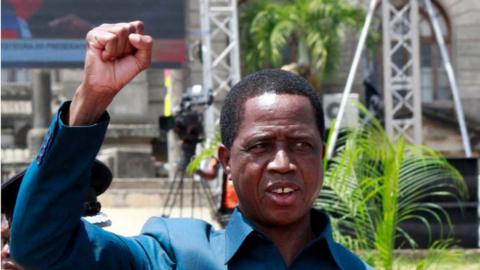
47	232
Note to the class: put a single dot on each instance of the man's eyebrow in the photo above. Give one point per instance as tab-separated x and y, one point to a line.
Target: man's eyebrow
295	135
302	133
258	136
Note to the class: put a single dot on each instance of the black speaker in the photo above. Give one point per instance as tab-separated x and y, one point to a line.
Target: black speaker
465	218
468	167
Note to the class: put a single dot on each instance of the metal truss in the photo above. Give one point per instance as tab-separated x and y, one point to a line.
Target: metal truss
403	114
220	53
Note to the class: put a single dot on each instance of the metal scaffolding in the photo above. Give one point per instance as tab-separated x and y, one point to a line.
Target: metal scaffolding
220	53
401	62
451	78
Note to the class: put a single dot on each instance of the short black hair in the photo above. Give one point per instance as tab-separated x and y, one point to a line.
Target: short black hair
265	81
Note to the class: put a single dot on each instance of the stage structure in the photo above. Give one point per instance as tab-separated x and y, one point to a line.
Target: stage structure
220	53
403	114
220	59
401	62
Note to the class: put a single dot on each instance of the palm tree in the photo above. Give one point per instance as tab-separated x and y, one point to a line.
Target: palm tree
309	31
373	184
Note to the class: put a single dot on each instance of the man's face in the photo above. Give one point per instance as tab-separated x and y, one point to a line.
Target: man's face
275	160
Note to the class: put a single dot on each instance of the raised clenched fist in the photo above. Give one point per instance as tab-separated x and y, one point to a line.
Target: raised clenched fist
116	53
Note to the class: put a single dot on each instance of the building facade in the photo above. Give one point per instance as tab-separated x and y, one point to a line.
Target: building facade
135	112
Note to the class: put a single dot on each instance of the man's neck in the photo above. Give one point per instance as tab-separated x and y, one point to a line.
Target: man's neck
290	240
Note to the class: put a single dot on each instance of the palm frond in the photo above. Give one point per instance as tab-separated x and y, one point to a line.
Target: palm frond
271	26
210	149
372	184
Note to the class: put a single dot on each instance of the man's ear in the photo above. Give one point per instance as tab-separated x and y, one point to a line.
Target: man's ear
224	157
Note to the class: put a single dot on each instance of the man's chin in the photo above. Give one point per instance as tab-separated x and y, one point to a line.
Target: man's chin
275	216
284	217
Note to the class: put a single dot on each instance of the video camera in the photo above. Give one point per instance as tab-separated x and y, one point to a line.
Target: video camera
187	123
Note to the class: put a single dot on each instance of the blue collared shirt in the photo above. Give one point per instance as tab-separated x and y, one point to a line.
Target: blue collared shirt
247	248
48	233
194	244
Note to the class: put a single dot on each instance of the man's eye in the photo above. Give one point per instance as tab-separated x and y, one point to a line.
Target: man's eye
258	147
301	146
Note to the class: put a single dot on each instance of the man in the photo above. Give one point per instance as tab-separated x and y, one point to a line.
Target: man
100	176
272	126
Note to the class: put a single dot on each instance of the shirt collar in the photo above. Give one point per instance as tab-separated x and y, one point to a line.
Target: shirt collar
323	229
239	228
321	225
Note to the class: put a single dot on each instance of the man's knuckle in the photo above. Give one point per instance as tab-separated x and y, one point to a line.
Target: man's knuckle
138	23
138	26
124	29
131	28
89	35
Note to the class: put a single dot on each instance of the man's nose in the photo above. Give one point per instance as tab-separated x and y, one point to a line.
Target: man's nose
281	162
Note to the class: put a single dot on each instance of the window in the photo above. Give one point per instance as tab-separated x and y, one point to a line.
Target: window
22	75
434	81
433	78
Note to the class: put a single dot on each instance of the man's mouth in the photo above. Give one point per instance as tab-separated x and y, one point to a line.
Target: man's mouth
283	194
282	190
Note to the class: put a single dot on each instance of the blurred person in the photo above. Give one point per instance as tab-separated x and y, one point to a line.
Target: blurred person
306	71
71	19
211	170
15	14
101	177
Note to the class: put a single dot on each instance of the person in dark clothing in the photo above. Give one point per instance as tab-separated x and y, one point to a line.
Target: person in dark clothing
272	149
101	177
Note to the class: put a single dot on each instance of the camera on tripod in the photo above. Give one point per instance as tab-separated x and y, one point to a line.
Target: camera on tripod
187	123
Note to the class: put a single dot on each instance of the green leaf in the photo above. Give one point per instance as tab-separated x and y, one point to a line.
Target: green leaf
372	184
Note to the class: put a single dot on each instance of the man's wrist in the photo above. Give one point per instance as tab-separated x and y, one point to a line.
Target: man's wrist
86	108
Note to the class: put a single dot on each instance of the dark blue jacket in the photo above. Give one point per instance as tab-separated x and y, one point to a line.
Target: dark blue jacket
48	233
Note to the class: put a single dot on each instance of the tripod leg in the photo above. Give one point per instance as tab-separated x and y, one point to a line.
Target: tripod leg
208	194
169	196
194	187
180	190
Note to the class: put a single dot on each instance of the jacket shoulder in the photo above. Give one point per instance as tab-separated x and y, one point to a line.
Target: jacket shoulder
188	241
